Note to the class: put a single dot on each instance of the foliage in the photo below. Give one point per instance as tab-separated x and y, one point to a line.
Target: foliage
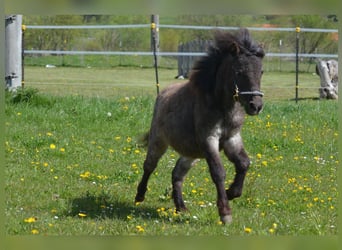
26	95
72	169
139	39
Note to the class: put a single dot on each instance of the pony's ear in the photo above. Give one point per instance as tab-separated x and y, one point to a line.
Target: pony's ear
260	50
234	49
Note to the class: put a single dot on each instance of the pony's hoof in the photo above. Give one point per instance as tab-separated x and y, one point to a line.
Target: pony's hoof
227	219
139	199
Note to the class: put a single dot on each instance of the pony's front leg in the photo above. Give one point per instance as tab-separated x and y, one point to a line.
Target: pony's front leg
218	175
182	167
236	153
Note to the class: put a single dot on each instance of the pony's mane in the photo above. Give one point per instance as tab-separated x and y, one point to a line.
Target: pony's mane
204	71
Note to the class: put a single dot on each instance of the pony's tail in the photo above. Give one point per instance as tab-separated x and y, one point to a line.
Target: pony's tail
143	139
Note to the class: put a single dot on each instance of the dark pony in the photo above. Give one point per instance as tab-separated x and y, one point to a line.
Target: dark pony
205	115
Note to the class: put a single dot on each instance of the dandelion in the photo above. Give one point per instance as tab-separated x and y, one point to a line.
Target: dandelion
30	220
140	229
268	124
52	146
85	174
49	134
62	150
129	139
34	231
82	215
259	155
248	230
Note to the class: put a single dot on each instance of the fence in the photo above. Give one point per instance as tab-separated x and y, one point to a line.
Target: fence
185	55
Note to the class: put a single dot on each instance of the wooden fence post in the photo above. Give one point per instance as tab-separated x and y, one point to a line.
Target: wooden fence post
13	54
328	72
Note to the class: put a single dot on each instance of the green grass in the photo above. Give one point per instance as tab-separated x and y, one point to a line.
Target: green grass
69	157
121	81
73	162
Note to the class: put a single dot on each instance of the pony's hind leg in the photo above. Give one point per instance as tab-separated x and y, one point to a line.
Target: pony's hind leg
182	167
155	151
236	153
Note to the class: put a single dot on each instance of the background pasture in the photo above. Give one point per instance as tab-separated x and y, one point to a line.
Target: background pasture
73	160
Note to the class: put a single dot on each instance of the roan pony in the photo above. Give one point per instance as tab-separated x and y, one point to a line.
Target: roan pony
205	115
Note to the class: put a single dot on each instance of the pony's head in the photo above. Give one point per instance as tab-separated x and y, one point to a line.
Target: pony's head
241	68
232	70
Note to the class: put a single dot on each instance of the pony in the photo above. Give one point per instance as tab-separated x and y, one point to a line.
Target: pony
204	115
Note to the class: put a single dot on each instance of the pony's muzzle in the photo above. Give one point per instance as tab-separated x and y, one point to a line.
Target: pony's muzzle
255	105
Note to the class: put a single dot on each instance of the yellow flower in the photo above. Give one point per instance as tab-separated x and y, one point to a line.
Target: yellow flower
52	146
62	149
140	229
248	230
82	215
34	231
30	220
259	155
85	174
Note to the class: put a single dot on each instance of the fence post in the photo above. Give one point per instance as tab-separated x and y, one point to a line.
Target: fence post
297	60
155	45
13	54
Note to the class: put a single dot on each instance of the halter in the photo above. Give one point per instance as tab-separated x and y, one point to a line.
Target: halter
253	93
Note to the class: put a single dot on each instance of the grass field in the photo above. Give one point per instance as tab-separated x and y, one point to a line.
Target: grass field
122	81
73	161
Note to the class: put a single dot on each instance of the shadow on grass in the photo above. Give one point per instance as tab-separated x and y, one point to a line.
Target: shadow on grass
103	206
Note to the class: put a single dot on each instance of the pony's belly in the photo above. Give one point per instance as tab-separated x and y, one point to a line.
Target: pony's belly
185	145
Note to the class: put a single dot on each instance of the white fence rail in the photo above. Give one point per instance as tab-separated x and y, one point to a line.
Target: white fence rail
172	26
166	26
145	53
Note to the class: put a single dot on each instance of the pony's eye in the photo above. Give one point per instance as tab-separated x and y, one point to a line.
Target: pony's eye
262	72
